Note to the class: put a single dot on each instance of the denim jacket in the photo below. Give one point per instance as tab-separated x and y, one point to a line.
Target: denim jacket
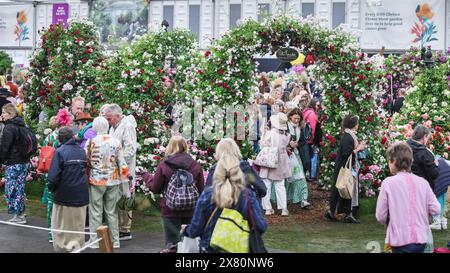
205	208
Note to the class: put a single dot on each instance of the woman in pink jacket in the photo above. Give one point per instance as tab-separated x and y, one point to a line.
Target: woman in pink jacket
405	202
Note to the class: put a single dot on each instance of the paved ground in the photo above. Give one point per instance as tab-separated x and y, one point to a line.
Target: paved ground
26	240
15	239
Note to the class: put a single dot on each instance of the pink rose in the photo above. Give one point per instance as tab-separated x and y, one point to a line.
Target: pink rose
428	124
425	116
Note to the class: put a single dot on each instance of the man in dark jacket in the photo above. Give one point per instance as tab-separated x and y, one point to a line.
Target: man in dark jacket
67	179
424	164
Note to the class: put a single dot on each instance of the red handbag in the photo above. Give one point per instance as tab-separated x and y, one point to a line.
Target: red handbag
45	159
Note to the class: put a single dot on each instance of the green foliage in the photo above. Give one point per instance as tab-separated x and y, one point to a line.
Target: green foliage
66	66
5	62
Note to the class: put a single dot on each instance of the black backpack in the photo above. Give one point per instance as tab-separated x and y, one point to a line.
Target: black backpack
28	144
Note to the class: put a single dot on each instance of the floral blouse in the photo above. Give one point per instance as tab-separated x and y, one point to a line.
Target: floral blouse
106	164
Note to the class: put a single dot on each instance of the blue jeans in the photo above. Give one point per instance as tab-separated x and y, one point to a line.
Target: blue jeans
314	162
411	248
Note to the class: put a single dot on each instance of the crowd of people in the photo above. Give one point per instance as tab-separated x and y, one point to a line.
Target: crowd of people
94	160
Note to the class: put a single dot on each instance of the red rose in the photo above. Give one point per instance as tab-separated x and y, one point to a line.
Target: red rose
42	93
221	71
156	157
341	89
347	95
149	83
225	85
438	128
77	32
384	140
142	71
77	40
333	155
84	61
332	48
207	53
376	184
200	72
342	53
369	119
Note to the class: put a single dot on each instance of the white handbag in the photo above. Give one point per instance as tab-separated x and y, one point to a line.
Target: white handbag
188	245
268	156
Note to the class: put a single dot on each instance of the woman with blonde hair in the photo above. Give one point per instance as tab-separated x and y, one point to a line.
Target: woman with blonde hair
176	158
228	147
17	167
228	191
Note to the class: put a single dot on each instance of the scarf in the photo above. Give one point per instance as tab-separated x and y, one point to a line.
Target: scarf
355	139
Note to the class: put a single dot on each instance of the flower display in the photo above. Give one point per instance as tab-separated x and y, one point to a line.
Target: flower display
426	103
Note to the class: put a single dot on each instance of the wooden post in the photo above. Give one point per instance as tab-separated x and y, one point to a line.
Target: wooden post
105	243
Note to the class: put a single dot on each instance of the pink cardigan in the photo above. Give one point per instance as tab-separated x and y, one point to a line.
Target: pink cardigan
408	201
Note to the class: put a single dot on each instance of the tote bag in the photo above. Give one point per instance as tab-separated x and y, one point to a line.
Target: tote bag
189	245
294	165
231	233
268	156
346	182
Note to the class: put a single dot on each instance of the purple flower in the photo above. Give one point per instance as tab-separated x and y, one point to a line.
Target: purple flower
443	59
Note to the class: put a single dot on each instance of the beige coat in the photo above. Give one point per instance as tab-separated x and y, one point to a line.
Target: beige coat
273	137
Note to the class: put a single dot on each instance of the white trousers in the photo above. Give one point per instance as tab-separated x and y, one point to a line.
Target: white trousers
280	191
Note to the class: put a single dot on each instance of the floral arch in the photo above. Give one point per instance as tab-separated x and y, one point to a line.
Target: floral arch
346	76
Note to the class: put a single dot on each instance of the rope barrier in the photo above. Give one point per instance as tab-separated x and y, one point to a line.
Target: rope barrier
47	229
88	245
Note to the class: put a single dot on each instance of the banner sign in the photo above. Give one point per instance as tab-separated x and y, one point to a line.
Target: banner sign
16	26
60	14
401	24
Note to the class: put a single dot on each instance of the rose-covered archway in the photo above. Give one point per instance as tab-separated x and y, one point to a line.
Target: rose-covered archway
341	70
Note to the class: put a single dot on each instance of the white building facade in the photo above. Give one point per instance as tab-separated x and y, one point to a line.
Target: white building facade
210	19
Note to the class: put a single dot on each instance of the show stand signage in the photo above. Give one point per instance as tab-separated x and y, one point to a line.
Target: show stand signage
287	54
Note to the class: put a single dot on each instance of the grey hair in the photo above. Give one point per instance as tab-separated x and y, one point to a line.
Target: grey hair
100	125
420	132
113	109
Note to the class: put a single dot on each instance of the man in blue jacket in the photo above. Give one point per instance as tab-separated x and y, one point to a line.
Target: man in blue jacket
68	181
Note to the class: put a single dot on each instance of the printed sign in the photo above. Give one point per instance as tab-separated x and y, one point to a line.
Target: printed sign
401	24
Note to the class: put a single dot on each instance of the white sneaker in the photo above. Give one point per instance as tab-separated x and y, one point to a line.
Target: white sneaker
269	211
19	220
116	245
436	225
284	212
444	223
13	219
304	204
